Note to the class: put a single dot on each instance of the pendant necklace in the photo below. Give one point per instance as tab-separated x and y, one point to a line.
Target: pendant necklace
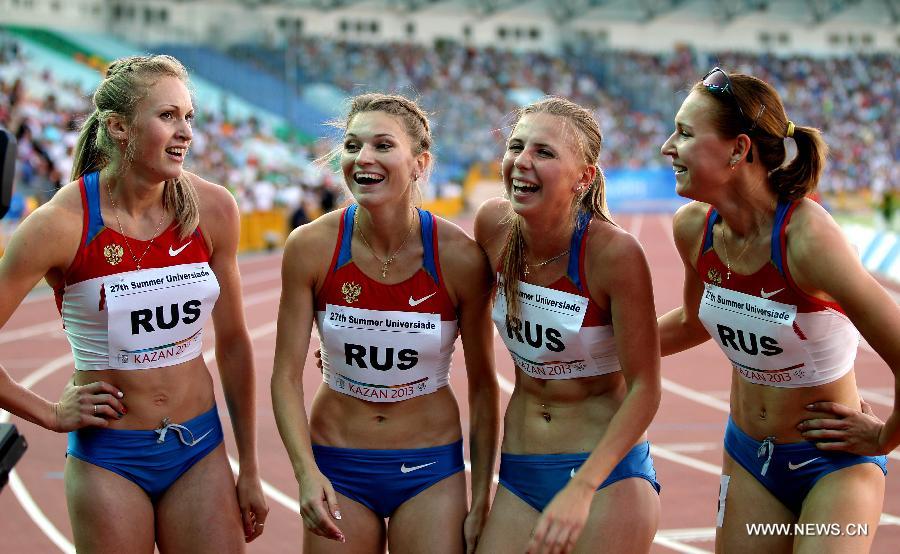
545	262
385	263
137	260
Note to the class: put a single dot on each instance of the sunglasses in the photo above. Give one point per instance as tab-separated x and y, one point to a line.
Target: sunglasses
718	83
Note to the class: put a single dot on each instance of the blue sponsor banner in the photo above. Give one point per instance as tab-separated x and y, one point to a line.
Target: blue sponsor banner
642	190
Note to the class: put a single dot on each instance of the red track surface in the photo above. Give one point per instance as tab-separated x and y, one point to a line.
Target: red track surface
686	433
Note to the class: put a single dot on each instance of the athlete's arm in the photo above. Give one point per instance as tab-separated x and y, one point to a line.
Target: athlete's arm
816	247
466	270
318	501
45	241
629	289
681	329
220	221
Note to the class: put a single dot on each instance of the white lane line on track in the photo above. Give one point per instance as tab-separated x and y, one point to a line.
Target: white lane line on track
690	534
672	456
690	446
637	222
677	546
695	395
15	483
873	397
30	331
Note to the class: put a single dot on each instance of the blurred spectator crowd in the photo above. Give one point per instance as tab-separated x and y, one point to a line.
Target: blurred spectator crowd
261	170
472	94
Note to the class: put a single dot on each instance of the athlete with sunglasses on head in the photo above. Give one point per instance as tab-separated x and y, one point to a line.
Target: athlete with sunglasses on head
771	279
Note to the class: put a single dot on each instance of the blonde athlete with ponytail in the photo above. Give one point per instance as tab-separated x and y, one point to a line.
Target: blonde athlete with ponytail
140	255
574	306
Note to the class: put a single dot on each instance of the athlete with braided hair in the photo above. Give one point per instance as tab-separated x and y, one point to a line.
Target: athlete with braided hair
383	439
141	255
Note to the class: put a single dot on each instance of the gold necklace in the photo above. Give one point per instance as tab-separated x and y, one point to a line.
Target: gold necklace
387	262
741	255
137	260
545	262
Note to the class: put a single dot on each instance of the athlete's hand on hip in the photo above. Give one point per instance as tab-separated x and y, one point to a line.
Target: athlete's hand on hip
561	522
91	405
849	430
252	502
319	506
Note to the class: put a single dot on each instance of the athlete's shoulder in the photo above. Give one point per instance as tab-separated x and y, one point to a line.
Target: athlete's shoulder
611	245
214	199
812	233
458	251
49	237
62	214
319	234
492	221
809	217
689	223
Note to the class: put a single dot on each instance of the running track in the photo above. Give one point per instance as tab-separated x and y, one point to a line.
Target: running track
686	433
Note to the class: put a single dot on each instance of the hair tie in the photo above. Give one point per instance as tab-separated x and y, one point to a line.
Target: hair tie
790	129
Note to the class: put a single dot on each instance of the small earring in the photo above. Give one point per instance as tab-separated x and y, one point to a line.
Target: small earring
733	163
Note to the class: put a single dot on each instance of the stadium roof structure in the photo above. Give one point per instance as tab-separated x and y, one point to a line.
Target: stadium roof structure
809	11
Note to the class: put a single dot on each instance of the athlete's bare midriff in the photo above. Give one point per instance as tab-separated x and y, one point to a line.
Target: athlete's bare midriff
560	416
762	411
178	392
340	420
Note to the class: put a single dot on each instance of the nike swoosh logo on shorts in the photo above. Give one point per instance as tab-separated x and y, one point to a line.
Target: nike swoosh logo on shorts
572	473
792	467
765	294
414	302
404	469
177	252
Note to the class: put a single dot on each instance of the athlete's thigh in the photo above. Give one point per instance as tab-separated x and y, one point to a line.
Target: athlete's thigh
363	530
108	512
509	525
844	501
431	521
623	518
747	502
199	512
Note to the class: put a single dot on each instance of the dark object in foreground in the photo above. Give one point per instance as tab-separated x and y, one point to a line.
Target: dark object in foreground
12	446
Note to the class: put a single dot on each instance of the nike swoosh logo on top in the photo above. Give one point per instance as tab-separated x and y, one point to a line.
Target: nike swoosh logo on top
572	473
765	294
404	469
413	302
177	252
792	467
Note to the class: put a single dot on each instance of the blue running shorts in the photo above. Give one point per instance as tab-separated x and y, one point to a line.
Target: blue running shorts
536	478
382	480
153	459
789	471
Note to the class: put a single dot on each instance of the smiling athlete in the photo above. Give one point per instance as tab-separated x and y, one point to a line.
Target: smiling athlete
574	306
772	280
383	440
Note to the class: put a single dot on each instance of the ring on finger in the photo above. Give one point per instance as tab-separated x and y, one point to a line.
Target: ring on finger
95	409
